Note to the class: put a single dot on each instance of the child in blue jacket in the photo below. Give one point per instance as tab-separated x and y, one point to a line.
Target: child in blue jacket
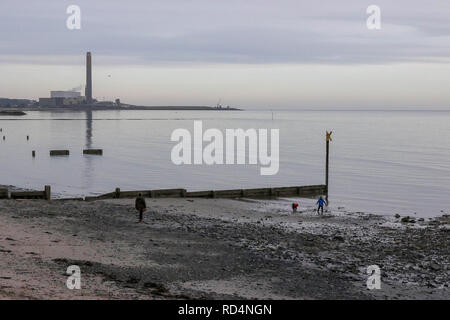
320	204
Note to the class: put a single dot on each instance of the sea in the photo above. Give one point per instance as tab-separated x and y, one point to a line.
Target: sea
381	161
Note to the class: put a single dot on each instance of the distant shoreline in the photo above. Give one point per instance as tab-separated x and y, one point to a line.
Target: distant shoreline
9	111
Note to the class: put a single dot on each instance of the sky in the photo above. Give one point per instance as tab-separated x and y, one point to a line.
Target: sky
248	53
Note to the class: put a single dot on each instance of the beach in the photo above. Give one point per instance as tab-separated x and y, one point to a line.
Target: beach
217	249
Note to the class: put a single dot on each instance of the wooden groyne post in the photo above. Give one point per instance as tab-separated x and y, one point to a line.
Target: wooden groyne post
327	162
97	152
43	195
4	193
47	192
59	153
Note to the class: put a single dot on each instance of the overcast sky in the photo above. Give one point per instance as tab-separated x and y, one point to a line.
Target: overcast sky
258	53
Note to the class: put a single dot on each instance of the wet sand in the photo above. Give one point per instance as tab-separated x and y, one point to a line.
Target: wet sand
216	249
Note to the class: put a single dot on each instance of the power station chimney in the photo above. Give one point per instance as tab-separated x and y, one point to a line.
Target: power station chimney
88	91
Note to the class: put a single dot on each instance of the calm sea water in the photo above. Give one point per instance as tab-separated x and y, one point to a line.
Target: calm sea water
381	161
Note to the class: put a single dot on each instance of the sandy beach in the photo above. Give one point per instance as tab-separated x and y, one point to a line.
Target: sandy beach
217	249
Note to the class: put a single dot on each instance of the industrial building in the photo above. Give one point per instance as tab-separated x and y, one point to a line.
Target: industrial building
64	94
74	101
72	98
51	102
62	101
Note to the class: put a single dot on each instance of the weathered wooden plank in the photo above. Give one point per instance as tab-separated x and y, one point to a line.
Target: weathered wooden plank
97	152
28	195
59	153
4	193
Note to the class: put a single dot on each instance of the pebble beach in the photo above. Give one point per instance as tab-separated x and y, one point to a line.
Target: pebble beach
217	249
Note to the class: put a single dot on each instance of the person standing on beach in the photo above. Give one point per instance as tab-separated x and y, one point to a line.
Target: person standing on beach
140	206
320	203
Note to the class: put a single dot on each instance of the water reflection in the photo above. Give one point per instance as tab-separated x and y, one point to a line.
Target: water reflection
88	159
88	129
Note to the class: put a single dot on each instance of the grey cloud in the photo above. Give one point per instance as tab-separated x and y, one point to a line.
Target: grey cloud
231	32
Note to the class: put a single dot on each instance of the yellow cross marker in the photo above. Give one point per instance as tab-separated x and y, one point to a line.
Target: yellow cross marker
329	135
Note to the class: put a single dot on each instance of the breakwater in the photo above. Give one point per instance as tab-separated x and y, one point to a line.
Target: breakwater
296	191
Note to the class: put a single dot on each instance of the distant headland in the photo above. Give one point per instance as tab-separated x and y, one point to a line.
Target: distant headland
11	113
73	100
18	110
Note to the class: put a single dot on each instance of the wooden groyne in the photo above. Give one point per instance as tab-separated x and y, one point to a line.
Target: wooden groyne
43	195
4	193
296	191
